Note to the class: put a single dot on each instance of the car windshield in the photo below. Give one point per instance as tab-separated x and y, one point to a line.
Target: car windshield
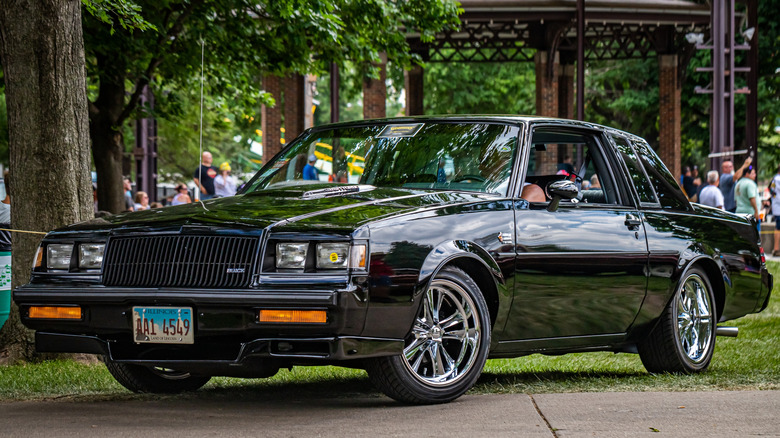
433	156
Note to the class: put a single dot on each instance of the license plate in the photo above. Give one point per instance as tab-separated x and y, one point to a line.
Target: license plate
163	325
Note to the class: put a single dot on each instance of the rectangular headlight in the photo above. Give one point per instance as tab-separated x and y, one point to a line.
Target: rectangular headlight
91	255
332	255
58	256
291	255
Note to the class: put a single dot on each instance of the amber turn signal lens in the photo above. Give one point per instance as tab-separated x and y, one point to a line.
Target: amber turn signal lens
38	258
294	316
50	312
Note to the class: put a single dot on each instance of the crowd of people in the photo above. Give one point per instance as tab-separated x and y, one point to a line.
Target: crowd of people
733	190
736	191
209	181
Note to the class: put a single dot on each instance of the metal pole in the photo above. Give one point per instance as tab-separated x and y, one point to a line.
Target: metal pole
751	113
729	95
718	116
334	92
580	59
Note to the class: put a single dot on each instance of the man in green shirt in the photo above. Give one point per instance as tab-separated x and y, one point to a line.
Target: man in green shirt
746	193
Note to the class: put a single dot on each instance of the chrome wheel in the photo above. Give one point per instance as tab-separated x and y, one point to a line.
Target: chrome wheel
683	340
446	347
445	337
694	319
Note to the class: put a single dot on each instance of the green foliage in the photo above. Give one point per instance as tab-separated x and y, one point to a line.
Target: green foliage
479	88
244	40
125	12
227	133
624	94
768	87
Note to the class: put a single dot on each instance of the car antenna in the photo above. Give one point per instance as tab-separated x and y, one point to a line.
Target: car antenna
200	129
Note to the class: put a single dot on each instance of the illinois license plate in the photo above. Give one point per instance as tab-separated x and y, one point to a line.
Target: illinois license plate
163	325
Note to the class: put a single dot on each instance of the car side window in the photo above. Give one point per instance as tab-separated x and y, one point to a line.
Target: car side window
635	170
666	186
558	154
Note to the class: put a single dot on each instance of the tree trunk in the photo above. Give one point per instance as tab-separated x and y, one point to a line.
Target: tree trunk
107	151
108	145
42	52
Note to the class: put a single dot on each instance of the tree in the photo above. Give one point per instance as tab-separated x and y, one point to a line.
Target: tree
42	53
245	40
457	88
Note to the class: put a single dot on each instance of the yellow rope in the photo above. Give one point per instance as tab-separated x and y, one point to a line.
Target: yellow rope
23	231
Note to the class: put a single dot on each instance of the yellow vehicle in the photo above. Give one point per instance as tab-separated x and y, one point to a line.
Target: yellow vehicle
324	153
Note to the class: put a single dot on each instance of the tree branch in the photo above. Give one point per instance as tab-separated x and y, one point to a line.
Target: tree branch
164	42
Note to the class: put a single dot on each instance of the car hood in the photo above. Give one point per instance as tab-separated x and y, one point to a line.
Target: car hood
290	209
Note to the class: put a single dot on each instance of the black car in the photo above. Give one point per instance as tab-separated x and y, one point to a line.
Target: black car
414	248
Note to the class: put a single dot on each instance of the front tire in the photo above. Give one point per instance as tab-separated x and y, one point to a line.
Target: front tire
139	378
446	349
684	339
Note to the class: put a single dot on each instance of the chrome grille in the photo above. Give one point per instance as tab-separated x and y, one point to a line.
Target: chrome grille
180	261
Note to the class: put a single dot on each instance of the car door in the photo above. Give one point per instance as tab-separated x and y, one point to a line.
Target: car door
581	268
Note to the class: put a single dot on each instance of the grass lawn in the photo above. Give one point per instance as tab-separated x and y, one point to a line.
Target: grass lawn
751	361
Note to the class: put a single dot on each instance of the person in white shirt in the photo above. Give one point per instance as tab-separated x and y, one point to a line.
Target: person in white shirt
141	201
774	190
182	195
224	183
711	194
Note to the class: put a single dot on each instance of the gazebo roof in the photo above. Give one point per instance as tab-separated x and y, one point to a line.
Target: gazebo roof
665	11
503	30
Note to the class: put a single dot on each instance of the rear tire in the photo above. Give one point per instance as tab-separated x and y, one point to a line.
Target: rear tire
684	339
446	349
139	378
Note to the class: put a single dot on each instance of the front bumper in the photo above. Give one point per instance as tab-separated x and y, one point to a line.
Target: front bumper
227	329
280	349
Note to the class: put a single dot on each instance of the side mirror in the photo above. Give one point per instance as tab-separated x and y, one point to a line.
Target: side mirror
563	189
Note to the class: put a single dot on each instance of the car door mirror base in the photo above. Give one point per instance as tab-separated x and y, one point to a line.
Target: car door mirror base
563	189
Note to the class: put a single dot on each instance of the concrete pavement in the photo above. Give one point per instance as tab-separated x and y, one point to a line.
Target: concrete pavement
711	414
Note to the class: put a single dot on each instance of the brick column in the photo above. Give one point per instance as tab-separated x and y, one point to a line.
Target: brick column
546	85
375	93
566	101
308	101
546	105
271	118
293	106
669	113
413	83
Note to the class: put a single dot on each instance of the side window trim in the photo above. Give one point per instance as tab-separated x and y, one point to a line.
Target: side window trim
607	161
655	204
676	199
